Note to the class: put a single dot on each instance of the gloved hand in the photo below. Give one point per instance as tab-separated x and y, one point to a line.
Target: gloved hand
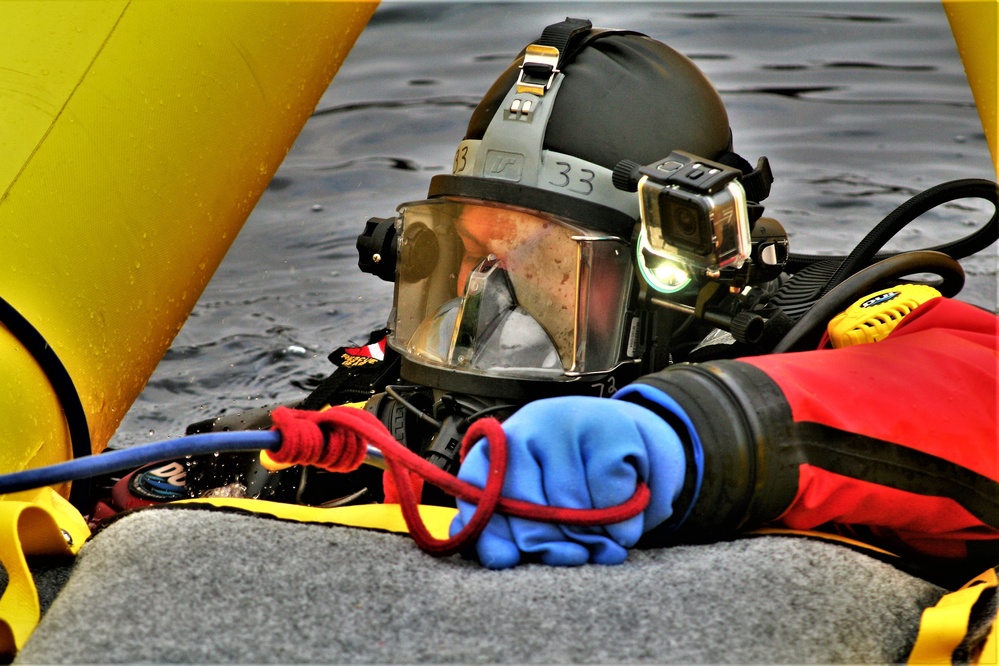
576	452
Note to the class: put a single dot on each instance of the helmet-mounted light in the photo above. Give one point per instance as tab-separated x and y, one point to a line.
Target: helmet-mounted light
660	273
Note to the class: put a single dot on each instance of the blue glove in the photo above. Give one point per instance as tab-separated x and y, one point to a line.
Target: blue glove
576	452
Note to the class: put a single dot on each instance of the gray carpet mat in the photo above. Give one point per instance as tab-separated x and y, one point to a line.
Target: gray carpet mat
195	586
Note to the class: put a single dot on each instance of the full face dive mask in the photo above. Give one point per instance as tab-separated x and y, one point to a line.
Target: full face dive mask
516	277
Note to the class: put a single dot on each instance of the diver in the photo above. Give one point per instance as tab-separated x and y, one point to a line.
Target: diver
526	274
597	273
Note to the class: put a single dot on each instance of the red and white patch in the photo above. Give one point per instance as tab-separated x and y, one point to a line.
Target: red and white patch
375	350
356	357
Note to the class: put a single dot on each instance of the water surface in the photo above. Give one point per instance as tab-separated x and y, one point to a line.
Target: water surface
858	106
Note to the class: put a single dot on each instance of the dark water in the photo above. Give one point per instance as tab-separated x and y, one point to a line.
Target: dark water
857	105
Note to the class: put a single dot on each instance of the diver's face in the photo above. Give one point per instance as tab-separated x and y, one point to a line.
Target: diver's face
490	231
532	249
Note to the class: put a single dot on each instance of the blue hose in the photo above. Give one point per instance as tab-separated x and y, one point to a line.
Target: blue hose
117	460
136	456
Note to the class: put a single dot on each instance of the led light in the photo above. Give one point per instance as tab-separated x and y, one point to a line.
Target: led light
662	274
670	275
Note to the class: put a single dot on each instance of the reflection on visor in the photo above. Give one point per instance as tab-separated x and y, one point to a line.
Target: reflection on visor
486	330
501	290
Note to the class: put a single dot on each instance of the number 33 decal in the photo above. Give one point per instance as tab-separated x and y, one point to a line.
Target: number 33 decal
581	184
460	159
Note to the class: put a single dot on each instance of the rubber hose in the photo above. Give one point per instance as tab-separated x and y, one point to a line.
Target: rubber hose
910	210
116	460
981	239
807	332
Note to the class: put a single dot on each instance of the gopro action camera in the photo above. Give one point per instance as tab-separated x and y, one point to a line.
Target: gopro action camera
693	214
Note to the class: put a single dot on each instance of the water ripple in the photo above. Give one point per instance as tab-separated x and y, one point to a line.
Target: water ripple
465	102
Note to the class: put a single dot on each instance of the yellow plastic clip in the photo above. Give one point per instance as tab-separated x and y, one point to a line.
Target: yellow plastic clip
876	315
38	522
944	626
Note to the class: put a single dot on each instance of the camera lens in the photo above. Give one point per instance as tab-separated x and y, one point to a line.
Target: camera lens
686	225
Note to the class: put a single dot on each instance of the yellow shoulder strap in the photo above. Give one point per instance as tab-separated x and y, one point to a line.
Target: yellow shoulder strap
823	536
386	517
945	625
45	524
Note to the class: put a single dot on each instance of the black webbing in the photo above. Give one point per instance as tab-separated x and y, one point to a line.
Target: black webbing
62	385
562	35
756	182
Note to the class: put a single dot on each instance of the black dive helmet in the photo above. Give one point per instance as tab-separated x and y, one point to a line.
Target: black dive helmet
515	278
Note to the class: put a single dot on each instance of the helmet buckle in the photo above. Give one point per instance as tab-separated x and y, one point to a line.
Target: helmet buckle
538	69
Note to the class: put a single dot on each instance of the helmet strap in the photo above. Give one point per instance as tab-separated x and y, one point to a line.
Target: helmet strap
543	59
756	182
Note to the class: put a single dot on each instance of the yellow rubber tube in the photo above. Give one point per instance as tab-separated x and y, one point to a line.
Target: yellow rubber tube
137	137
975	24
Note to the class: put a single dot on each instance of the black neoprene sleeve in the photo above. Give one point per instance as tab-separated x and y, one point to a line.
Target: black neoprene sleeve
750	454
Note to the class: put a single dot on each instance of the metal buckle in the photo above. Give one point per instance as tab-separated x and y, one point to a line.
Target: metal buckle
543	56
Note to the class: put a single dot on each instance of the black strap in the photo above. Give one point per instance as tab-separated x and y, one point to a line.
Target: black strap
756	182
562	36
62	385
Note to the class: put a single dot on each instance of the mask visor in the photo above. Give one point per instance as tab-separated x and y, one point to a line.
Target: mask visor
505	291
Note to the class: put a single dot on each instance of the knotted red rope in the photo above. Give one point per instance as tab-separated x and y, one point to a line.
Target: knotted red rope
336	439
308	436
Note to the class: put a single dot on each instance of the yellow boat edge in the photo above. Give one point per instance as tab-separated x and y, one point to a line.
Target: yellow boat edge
147	131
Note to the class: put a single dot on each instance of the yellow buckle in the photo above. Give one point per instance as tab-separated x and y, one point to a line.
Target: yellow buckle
545	56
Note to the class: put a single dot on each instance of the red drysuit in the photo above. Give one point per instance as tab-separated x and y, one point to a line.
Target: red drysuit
893	442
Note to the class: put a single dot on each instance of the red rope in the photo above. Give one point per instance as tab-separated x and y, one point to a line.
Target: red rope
337	438
310	438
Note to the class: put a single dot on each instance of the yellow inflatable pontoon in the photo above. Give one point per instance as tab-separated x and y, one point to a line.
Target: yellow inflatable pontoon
975	24
137	137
